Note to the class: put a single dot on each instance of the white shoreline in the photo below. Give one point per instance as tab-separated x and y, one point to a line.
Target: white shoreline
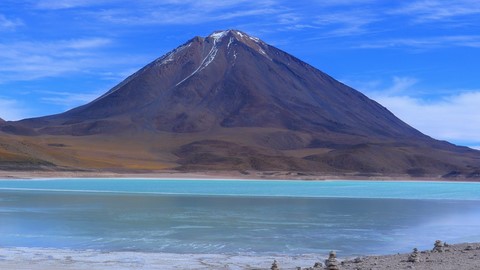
221	176
55	259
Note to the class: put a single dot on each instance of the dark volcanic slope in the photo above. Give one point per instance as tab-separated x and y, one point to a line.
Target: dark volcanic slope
229	81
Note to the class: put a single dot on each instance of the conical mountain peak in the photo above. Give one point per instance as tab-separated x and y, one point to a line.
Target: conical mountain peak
231	101
231	79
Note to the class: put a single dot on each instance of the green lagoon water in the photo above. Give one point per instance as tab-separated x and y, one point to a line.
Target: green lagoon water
237	217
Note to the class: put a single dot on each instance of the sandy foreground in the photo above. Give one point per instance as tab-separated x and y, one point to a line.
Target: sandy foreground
458	257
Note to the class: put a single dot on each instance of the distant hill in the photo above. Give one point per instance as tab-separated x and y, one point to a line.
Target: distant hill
230	101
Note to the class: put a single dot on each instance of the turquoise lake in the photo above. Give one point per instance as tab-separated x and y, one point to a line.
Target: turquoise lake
237	217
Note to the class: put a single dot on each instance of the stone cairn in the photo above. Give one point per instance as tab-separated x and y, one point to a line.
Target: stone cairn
274	266
331	263
438	246
413	256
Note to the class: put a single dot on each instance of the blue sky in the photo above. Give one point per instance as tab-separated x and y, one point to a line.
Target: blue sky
419	58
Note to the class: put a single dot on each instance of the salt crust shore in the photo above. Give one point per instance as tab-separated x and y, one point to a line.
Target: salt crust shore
64	259
224	175
455	257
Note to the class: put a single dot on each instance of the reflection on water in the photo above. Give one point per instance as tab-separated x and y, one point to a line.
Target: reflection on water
229	224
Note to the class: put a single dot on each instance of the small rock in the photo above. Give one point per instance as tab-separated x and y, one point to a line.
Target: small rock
469	247
274	266
358	260
438	246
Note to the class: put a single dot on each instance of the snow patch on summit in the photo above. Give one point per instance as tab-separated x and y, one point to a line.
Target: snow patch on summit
240	34
210	56
229	42
254	39
169	56
218	35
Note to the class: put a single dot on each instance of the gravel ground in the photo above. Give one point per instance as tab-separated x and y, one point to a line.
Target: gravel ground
455	257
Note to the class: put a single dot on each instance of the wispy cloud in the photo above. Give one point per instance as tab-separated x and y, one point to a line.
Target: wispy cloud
346	23
344	2
9	24
90	43
472	41
11	109
409	24
68	100
187	12
400	85
438	10
33	60
68	4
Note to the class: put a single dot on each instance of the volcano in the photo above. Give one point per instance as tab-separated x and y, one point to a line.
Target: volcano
230	101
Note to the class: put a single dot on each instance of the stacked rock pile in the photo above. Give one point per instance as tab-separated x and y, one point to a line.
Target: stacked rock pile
413	256
331	263
274	265
438	246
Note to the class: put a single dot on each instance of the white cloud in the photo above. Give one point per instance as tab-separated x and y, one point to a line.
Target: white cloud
91	43
343	2
346	23
68	4
453	118
400	84
68	99
185	12
472	41
12	110
9	24
439	10
34	60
